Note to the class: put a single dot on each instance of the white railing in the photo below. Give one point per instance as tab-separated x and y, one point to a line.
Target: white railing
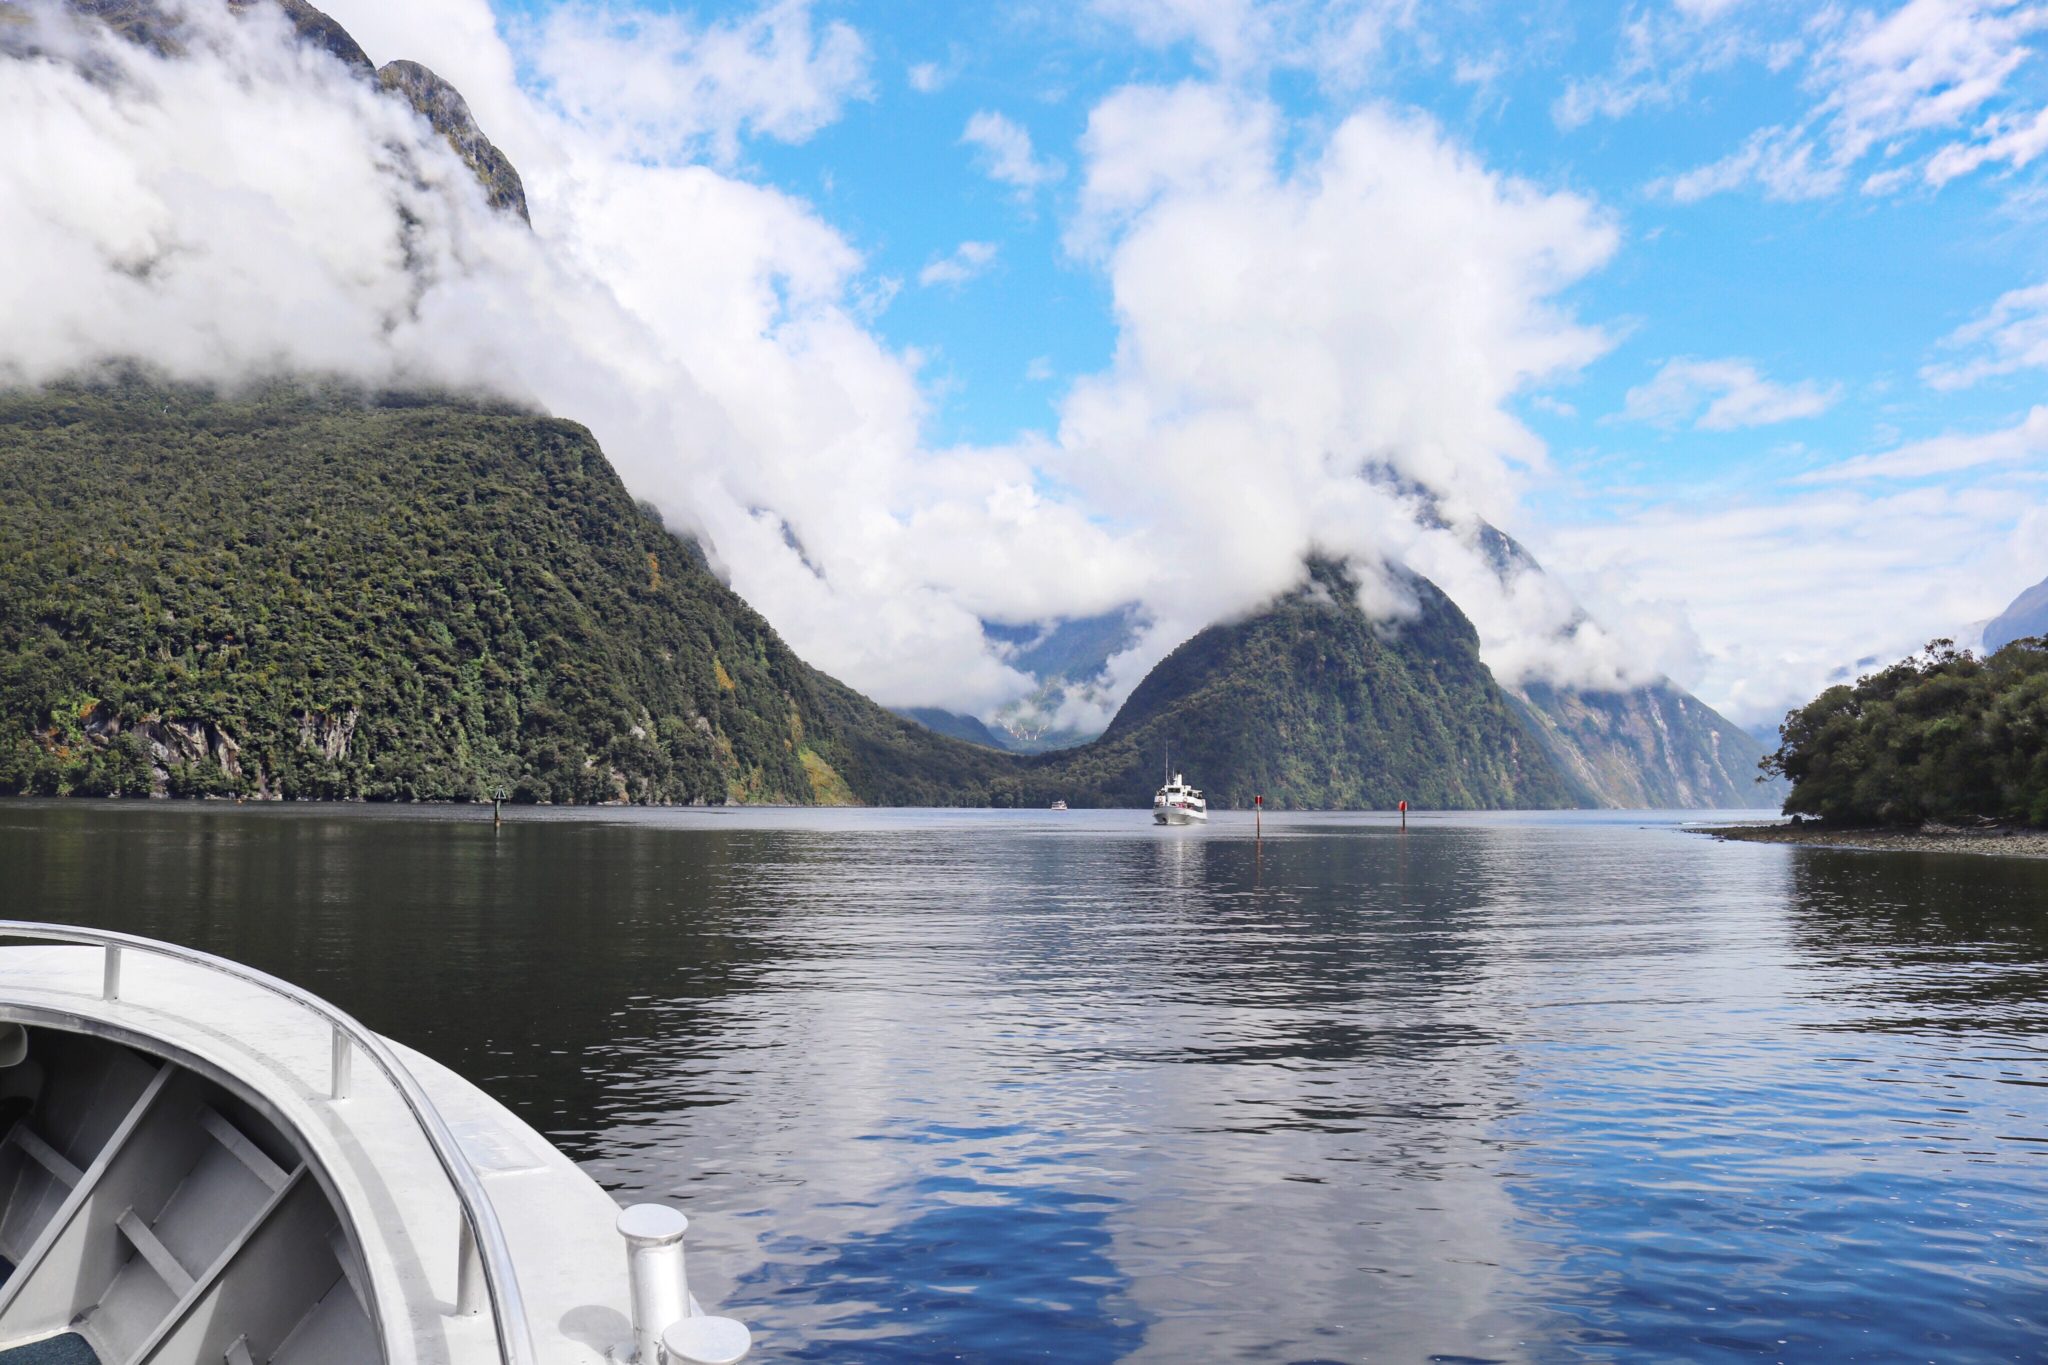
485	1258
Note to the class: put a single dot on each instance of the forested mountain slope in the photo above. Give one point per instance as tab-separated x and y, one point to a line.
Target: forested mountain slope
1311	704
323	593
339	596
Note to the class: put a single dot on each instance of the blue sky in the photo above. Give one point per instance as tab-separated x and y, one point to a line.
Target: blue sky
1816	287
924	314
1843	289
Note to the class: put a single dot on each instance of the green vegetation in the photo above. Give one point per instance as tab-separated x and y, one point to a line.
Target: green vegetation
333	595
1313	706
339	596
951	723
1944	735
399	599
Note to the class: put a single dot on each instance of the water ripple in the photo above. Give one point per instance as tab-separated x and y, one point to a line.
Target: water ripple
1002	1086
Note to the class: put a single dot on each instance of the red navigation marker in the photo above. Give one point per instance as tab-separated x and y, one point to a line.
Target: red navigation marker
1404	808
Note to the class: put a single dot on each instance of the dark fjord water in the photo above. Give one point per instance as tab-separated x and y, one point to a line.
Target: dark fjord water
1001	1086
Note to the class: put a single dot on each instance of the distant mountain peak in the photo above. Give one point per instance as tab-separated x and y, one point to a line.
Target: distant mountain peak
2026	616
148	24
1310	703
1654	745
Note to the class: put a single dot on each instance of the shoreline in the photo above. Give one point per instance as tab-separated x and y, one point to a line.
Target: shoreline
1993	841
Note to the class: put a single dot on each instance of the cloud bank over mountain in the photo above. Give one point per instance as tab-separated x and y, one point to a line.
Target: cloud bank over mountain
1290	327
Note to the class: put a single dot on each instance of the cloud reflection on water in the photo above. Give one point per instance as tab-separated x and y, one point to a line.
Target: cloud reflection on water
983	1085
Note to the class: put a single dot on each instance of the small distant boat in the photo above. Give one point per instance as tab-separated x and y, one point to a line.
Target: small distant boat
1179	804
1059	805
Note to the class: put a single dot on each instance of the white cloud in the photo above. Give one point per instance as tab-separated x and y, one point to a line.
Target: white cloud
1371	299
2022	442
1338	39
659	86
2012	139
1884	87
927	77
2010	337
1531	627
1926	65
1478	71
129	200
1659	54
1721	395
1145	142
1848	576
1783	164
1706	9
1374	305
1004	153
959	265
1234	33
463	44
235	212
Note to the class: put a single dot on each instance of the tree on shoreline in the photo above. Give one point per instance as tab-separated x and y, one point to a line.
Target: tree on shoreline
1943	735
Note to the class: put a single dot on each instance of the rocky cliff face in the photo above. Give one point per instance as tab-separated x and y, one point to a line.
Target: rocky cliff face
1653	747
434	99
1656	747
316	29
442	106
174	757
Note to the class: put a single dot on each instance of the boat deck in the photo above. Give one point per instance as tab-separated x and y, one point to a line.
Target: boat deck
367	1150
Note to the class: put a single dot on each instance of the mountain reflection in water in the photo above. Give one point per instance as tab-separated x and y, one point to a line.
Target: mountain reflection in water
987	1085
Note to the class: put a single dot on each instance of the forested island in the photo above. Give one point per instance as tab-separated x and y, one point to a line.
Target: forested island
1943	751
1945	735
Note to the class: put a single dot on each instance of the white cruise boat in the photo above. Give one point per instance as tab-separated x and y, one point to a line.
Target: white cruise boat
1179	804
201	1164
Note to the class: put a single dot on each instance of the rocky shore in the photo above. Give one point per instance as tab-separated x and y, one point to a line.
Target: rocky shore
1997	840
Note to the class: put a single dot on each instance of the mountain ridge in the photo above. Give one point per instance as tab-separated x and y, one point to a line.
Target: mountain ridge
1648	746
1311	704
2026	615
434	99
1305	701
341	595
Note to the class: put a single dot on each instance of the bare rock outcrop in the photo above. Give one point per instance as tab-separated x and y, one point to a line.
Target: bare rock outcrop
148	24
443	107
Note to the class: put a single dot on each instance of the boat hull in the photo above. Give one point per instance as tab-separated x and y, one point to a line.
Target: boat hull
1179	817
229	1163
